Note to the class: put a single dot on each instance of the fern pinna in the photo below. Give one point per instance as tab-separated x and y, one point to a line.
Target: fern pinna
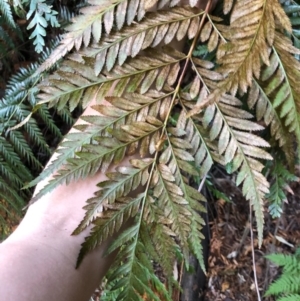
253	73
286	287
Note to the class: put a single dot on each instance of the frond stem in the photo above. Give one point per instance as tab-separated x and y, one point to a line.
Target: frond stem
253	256
188	59
216	29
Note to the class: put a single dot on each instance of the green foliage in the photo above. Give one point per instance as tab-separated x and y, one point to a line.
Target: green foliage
279	187
19	141
6	14
287	286
42	14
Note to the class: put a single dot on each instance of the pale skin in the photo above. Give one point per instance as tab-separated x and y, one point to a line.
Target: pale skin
37	261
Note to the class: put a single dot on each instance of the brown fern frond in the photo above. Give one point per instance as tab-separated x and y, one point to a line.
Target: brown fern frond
248	41
75	82
154	29
229	125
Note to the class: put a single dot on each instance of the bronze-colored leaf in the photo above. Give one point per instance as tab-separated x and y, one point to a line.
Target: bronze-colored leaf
132	10
205	32
121	13
182	30
213	41
108	20
148	80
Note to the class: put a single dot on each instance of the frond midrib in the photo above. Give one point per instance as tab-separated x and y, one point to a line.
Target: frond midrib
252	45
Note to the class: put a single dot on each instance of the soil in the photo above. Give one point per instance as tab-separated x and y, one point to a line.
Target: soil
231	268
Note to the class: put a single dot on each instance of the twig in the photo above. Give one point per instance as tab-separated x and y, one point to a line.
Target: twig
245	234
253	256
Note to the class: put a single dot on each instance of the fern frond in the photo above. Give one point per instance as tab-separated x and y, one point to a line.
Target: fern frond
241	148
75	82
19	146
245	44
9	193
43	14
6	14
110	222
88	26
120	184
106	150
290	297
151	31
281	178
138	281
287	285
22	148
288	262
9	155
139	88
287	97
292	9
227	123
260	96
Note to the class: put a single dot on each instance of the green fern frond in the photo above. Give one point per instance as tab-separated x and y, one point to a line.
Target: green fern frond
6	14
43	15
292	9
289	90
22	148
290	297
9	155
267	112
287	285
137	282
281	178
243	149
19	146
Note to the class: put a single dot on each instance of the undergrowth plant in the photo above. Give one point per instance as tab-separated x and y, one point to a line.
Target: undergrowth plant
287	286
24	134
235	89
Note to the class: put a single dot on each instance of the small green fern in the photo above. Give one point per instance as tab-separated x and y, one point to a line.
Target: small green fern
287	286
42	15
281	178
19	162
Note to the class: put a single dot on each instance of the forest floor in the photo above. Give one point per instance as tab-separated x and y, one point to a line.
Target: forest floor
231	272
